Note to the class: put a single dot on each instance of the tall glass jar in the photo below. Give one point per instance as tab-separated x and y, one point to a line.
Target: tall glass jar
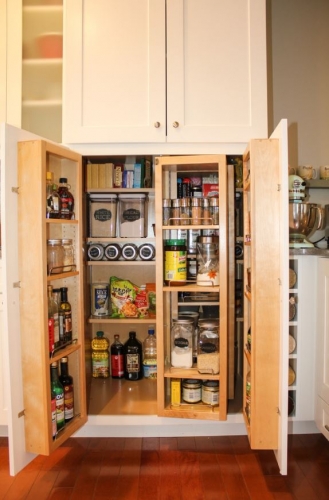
182	343
208	346
68	260
207	261
55	256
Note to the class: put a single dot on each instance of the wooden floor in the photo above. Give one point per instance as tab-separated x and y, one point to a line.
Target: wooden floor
187	468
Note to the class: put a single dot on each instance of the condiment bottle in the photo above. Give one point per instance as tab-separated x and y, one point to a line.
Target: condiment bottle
58	390
150	355
133	352
67	199
67	383
100	356
53	199
65	318
117	358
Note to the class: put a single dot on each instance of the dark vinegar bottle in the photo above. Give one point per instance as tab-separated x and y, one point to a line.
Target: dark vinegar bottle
117	359
67	383
133	352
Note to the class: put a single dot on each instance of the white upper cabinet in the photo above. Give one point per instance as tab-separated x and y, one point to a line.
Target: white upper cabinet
177	71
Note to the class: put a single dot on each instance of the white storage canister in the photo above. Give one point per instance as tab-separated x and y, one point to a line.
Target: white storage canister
132	215
102	215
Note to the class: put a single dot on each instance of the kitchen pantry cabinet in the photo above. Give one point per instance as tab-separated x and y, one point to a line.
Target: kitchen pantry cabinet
27	299
266	293
158	71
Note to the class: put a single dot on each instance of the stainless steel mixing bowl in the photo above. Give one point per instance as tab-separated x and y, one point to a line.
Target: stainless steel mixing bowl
303	219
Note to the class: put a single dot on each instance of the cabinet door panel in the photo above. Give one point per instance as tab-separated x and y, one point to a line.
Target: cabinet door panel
216	70
323	330
114	71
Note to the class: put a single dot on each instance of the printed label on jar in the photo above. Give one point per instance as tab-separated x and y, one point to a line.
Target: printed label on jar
131	215
103	215
192	395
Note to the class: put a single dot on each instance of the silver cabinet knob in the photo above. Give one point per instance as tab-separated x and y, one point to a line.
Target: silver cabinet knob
175	124
157	124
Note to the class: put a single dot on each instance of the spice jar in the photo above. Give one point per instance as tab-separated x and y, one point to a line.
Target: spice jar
175	212
95	251
207	261
146	251
112	251
208	346
214	210
55	256
191	392
206	215
175	262
68	261
166	211
129	251
196	211
185	211
182	343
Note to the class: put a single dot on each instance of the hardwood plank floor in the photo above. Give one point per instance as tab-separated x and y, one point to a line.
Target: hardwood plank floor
186	468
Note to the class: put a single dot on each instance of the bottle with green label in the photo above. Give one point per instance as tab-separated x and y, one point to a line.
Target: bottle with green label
58	390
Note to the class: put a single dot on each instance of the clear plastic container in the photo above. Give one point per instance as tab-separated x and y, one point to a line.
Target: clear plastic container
182	343
208	346
132	215
103	215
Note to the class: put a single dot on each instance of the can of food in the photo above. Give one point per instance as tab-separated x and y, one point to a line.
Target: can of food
210	392
99	299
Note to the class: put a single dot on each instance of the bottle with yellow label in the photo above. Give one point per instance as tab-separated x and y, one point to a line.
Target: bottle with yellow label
100	356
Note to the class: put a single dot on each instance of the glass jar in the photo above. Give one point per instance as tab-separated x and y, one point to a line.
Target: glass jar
191	391
207	261
208	346
68	261
55	256
185	211
210	392
166	211
214	210
95	251
175	212
182	343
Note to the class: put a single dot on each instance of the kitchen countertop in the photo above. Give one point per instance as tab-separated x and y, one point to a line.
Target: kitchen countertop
321	252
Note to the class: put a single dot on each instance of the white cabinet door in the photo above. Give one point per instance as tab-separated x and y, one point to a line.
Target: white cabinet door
176	71
114	71
322	348
10	325
216	71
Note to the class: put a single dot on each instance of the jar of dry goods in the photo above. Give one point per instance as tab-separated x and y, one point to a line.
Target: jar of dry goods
182	343
68	255
208	346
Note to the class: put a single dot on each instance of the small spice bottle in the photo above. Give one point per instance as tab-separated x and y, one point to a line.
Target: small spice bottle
175	212
185	211
112	251
166	211
146	251
129	251
196	211
96	251
207	218
214	210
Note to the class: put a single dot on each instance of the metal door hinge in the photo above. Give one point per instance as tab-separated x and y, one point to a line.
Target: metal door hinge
279	187
278	411
15	190
17	284
21	414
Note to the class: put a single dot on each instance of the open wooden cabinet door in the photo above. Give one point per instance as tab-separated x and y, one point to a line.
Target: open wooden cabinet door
266	293
10	324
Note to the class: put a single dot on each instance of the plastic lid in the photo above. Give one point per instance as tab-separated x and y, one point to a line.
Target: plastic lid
99	334
175	242
49	176
63	180
151	330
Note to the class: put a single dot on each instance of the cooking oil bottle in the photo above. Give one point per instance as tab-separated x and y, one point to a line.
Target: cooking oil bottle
100	356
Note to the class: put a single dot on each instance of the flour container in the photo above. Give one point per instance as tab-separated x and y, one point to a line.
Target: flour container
102	215
132	215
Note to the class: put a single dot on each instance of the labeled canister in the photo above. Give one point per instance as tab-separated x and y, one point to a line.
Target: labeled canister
146	251
103	215
112	251
99	299
129	251
175	262
95	251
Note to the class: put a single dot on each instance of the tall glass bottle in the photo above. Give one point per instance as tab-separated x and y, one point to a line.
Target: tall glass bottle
53	206
150	354
58	390
67	383
133	352
53	313
67	199
117	359
53	414
65	318
100	356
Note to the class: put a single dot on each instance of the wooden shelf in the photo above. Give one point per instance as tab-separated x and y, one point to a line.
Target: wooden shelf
171	372
193	287
121	262
121	321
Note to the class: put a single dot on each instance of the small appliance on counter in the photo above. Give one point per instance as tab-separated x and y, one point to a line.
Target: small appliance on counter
303	217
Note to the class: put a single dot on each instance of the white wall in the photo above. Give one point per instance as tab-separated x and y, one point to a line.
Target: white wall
299	66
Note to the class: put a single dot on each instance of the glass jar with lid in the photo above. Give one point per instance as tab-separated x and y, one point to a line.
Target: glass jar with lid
208	346
207	261
68	259
55	256
182	343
